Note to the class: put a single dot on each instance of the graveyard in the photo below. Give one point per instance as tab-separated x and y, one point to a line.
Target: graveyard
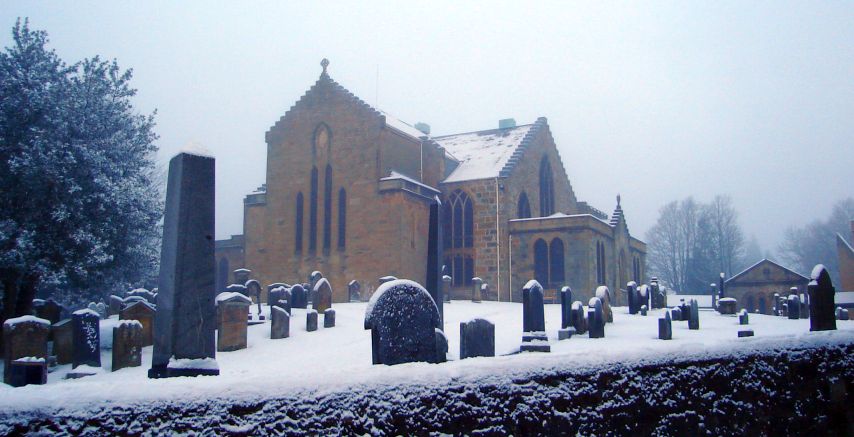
307	364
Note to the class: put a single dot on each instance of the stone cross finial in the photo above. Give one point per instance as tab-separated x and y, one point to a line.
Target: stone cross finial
324	63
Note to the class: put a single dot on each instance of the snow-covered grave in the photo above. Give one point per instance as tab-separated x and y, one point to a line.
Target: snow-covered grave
330	359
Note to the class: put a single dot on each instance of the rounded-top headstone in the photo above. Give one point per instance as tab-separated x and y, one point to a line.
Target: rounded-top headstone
403	318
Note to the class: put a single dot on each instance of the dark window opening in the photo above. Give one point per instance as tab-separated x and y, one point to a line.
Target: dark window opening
342	218
524	208
298	225
312	212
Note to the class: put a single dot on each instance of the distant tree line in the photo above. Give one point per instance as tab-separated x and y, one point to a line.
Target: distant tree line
692	243
80	198
815	243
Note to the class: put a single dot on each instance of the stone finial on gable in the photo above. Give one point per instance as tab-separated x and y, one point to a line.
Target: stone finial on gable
324	63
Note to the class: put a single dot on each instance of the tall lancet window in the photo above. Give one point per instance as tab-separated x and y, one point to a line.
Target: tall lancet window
298	225
524	208
547	195
327	208
312	213
342	218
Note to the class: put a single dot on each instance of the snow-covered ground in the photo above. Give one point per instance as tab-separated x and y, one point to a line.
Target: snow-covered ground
332	358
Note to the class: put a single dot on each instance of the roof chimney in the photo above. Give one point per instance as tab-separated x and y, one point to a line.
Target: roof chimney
423	127
506	123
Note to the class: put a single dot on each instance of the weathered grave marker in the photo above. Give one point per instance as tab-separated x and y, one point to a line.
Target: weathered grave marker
24	336
404	319
63	341
794	307
665	327
322	295
477	339
821	296
694	316
184	326
476	283
145	314
329	318
127	344
534	337
311	320
604	295
232	310
280	325
354	291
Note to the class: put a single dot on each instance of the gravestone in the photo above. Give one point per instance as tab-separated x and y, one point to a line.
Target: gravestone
566	330
280	325
23	337
435	248
237	288
253	289
385	279
322	295
842	313
477	339
101	309
821	296
26	371
804	309
280	297
694	316
298	297
578	318
127	344
658	298
115	305
476	283
446	288
354	290
677	313
778	308
643	310
534	337
631	291
595	318
241	276
48	310
441	353
185	323
685	308
149	296
313	278
745	333
665	327
87	338
311	320
604	296
232	310
63	341
92	307
743	318
329	318
794	307
403	319
144	313
644	295
727	305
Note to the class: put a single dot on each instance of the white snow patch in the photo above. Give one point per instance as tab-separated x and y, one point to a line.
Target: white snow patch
232	295
198	363
12	322
195	148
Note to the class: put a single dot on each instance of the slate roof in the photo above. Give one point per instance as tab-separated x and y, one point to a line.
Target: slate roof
765	260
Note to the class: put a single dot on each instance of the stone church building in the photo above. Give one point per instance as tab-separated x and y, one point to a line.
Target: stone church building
348	189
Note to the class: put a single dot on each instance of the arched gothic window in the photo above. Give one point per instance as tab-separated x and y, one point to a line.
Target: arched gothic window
342	218
462	270
298	224
312	213
547	195
524	208
541	262
460	219
327	208
556	268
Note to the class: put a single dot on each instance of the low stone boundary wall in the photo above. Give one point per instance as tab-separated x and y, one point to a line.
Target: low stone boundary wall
784	391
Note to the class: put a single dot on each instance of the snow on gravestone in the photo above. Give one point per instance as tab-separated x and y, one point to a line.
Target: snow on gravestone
595	318
143	312
477	339
63	341
534	337
694	316
404	320
329	318
280	326
665	327
821	296
87	338
631	291
476	283
127	344
48	310
185	324
794	307
567	330
321	295
232	310
604	295
24	336
579	320
354	291
311	320
298	297
115	305
280	297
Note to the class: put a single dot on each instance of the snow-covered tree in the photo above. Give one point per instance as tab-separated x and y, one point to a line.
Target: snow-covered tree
79	198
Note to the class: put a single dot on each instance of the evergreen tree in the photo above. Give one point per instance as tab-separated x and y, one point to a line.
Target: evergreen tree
79	199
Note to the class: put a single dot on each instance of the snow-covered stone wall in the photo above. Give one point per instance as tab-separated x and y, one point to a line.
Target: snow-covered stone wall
776	391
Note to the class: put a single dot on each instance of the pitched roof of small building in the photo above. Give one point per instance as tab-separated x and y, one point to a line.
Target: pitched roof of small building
764	261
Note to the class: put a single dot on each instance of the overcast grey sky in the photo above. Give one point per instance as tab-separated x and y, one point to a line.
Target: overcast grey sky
655	101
